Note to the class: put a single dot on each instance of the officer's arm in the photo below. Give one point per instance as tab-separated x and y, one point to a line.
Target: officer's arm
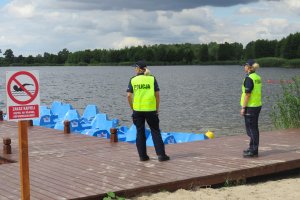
157	100
247	97
129	98
245	103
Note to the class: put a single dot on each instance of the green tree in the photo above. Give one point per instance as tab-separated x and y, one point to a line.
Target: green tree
188	54
50	58
213	49
204	55
265	48
115	56
80	58
249	50
39	59
47	57
9	56
170	54
86	56
62	56
150	54
291	49
161	53
20	59
237	51
180	53
280	48
29	60
225	52
138	53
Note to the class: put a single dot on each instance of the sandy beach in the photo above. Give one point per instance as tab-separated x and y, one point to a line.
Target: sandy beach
287	188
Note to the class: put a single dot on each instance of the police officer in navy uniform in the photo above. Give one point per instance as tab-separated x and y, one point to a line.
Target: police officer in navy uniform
143	98
251	105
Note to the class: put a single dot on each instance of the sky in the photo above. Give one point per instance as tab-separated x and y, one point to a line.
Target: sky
32	27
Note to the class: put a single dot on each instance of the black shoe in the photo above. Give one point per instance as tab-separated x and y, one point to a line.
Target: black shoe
163	158
144	158
246	150
250	154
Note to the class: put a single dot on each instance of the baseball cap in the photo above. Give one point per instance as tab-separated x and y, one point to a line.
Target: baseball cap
249	62
141	64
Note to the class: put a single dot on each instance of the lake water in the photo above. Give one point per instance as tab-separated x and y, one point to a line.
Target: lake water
193	98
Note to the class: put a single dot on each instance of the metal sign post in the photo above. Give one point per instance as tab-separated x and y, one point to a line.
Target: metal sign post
23	103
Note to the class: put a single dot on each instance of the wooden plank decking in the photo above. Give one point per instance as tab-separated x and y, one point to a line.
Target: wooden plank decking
70	166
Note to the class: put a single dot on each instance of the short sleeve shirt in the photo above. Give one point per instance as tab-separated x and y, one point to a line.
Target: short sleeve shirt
249	85
130	89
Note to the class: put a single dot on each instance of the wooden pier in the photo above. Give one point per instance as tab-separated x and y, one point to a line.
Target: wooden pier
73	166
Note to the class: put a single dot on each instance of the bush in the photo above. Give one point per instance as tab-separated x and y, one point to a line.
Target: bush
271	62
82	64
293	63
286	111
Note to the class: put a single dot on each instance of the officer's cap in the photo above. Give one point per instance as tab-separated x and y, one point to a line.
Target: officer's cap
249	62
141	64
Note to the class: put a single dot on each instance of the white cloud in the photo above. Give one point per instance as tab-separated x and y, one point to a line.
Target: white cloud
127	42
19	9
251	11
274	25
293	4
246	11
34	26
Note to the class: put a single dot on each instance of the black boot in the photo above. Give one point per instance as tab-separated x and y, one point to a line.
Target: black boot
144	158
162	158
246	150
250	154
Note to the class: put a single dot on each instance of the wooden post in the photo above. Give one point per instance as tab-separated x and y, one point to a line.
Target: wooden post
113	135
24	160
1	115
6	146
67	127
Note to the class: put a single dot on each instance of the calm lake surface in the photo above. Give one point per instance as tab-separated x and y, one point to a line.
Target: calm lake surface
193	98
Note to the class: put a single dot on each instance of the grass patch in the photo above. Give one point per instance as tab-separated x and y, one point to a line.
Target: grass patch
286	111
113	196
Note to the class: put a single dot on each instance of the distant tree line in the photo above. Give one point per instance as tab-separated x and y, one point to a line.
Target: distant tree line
165	54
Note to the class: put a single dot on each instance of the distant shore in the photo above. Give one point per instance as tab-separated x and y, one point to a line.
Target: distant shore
264	62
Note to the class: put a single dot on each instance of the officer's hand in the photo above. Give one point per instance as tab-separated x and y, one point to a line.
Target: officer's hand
242	112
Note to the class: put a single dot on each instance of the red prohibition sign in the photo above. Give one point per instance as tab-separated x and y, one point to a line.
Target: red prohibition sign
14	78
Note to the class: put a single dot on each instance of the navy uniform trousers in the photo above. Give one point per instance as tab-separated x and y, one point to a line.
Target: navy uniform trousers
152	119
251	122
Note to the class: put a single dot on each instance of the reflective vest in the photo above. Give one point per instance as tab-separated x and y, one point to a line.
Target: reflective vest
255	98
144	95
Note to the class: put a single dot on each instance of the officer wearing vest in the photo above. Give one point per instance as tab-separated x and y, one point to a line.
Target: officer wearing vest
251	105
143	98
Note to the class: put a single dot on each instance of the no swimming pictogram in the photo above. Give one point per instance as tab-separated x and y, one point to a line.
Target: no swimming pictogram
22	87
23	97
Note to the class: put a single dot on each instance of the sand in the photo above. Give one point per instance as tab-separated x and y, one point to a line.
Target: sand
284	189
